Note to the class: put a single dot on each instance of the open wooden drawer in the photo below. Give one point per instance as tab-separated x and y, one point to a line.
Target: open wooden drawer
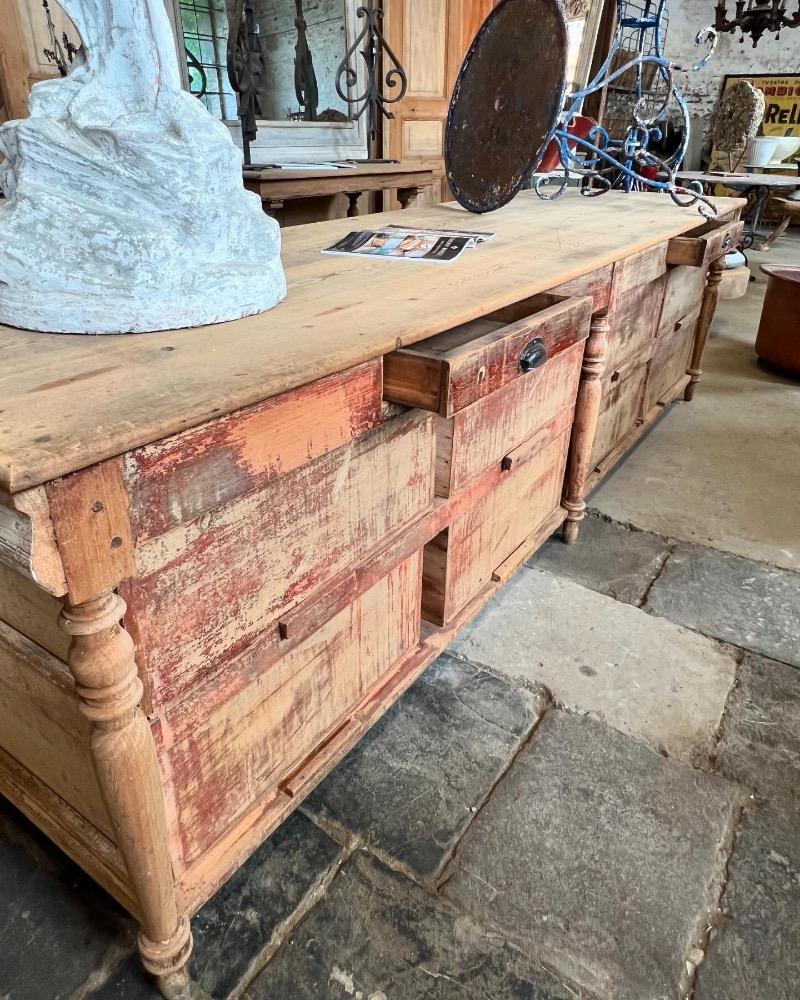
700	246
455	369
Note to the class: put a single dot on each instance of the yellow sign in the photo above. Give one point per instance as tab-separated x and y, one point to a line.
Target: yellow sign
781	117
781	98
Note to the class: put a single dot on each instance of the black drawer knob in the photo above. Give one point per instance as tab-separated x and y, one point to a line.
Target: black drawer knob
533	355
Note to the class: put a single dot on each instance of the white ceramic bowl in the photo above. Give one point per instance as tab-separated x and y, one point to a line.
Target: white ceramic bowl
761	151
785	148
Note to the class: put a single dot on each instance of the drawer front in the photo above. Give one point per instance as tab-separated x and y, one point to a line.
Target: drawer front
208	589
248	738
670	360
634	322
461	560
622	406
175	481
476	438
454	370
638	269
682	298
32	612
42	728
597	285
700	246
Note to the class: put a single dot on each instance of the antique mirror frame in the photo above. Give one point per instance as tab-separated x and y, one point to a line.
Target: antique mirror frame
304	142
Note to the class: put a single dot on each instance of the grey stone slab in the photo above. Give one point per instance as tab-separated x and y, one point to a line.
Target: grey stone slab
755	955
232	930
724	470
56	926
128	981
760	743
599	858
412	784
378	936
642	675
608	557
748	603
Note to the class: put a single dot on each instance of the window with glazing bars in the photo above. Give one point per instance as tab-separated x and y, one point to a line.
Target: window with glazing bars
205	35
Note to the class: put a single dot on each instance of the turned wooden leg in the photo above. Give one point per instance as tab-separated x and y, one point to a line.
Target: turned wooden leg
406	195
101	659
272	206
707	310
352	208
587	411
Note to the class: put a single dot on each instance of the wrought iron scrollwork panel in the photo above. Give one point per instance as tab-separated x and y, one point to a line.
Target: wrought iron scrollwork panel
382	66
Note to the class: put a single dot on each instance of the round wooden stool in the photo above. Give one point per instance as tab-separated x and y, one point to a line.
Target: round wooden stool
778	340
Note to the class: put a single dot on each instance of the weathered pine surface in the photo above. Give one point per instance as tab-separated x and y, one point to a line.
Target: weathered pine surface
253	546
67	402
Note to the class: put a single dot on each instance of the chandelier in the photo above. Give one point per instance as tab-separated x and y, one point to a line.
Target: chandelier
754	17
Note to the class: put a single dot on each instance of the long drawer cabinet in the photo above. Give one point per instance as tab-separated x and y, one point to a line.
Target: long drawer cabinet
241	597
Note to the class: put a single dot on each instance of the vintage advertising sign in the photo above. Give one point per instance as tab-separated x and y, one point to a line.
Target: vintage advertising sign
781	99
781	117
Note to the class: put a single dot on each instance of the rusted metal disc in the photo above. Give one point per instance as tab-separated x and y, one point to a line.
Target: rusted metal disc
506	102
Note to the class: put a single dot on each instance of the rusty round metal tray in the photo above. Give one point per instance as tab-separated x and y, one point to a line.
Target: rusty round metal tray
506	102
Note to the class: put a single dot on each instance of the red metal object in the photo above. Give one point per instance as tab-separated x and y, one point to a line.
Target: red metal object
580	126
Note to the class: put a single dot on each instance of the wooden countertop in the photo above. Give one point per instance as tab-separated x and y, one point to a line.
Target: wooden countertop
360	170
274	184
741	180
67	402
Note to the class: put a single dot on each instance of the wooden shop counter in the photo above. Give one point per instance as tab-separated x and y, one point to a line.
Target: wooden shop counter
256	535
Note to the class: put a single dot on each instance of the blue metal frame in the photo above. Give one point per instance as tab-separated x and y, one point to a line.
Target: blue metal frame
599	151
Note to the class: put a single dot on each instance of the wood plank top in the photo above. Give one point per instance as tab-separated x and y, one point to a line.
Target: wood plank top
741	180
360	170
69	401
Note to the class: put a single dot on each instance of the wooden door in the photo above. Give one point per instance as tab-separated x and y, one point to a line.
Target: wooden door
430	38
14	67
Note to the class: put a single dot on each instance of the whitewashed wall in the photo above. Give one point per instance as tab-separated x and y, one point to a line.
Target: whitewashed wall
702	89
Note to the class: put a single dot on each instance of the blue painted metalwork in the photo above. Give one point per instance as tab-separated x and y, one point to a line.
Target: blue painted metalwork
599	155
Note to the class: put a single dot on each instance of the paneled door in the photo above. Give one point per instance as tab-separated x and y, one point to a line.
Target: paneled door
430	38
14	68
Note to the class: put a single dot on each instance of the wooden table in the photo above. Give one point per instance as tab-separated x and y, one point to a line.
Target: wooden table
760	186
275	186
256	535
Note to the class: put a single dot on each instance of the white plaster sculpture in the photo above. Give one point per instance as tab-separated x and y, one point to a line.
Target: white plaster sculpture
125	208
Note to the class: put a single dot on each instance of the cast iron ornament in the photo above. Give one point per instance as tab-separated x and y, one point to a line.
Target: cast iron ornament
380	62
507	101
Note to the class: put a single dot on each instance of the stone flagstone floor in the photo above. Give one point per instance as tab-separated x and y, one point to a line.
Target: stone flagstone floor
594	795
